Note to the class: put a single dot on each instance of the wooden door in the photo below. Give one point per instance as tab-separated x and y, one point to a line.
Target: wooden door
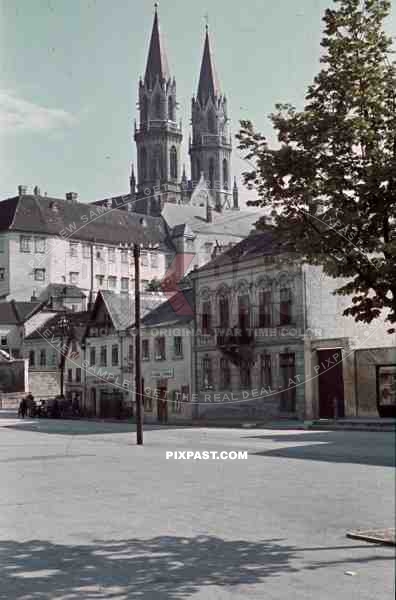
331	384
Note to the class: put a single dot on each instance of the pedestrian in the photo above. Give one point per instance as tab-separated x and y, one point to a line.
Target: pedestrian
22	408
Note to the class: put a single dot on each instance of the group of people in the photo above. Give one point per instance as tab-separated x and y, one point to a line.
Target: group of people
55	408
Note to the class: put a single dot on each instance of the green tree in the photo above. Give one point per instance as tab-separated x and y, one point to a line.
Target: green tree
330	181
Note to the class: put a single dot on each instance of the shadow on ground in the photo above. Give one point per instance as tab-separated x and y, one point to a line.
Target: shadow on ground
79	427
335	446
170	568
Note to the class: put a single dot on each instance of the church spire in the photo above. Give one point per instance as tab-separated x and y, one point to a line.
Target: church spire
209	84
157	62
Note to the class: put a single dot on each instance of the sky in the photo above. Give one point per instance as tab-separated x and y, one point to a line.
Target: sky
70	70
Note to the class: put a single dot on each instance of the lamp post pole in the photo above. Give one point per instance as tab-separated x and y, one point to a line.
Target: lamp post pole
138	376
63	323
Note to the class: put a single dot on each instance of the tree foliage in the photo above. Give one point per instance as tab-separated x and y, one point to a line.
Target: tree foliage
330	182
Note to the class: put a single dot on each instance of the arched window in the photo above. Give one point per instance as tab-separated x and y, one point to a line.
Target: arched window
158	107
156	165
198	167
211	173
143	163
225	174
171	116
173	163
211	122
145	105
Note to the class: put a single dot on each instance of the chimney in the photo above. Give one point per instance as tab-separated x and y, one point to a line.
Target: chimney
71	196
22	190
209	216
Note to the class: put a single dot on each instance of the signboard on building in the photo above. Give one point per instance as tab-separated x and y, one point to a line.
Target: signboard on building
163	373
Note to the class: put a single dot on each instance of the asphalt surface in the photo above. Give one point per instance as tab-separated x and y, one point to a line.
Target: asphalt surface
86	514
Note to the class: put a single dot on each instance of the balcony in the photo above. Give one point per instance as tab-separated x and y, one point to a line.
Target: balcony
237	345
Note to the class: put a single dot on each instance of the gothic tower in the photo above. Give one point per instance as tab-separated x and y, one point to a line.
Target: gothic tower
158	136
210	147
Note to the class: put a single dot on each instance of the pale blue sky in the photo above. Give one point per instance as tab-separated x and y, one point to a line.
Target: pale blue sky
70	70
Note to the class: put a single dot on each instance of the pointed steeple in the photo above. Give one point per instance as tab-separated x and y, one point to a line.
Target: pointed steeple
209	84
157	62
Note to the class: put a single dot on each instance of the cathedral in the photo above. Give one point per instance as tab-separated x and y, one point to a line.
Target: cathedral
158	135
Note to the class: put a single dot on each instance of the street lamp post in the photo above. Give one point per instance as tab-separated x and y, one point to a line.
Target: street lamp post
138	376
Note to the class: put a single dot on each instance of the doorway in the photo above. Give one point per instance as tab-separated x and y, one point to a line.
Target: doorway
331	384
162	403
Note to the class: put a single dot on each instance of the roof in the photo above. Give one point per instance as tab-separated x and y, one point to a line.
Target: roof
178	309
209	84
121	307
256	245
76	323
58	217
157	62
61	290
12	312
235	223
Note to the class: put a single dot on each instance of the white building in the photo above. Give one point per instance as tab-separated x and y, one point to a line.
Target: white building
271	339
47	240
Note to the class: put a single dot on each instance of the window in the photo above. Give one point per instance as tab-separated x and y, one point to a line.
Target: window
73	277
245	376
124	256
100	253
92	357
211	173
265	316
244	312
73	247
147	399
39	274
285	317
160	348
288	374
198	167
178	346
144	260
176	402
111	254
78	375
130	355
2	273
69	375
103	356
112	282
145	109
154	261
3	340
173	163
86	251
114	355
206	318
31	358
52	359
207	375
225	373
266	370
99	281
25	243
143	162
2	245
225	174
224	312
43	358
171	116
124	284
211	122
39	245
189	245
146	350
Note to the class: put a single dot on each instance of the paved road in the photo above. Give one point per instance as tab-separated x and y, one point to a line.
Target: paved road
85	514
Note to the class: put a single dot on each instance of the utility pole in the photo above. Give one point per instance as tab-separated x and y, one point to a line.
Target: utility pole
138	377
